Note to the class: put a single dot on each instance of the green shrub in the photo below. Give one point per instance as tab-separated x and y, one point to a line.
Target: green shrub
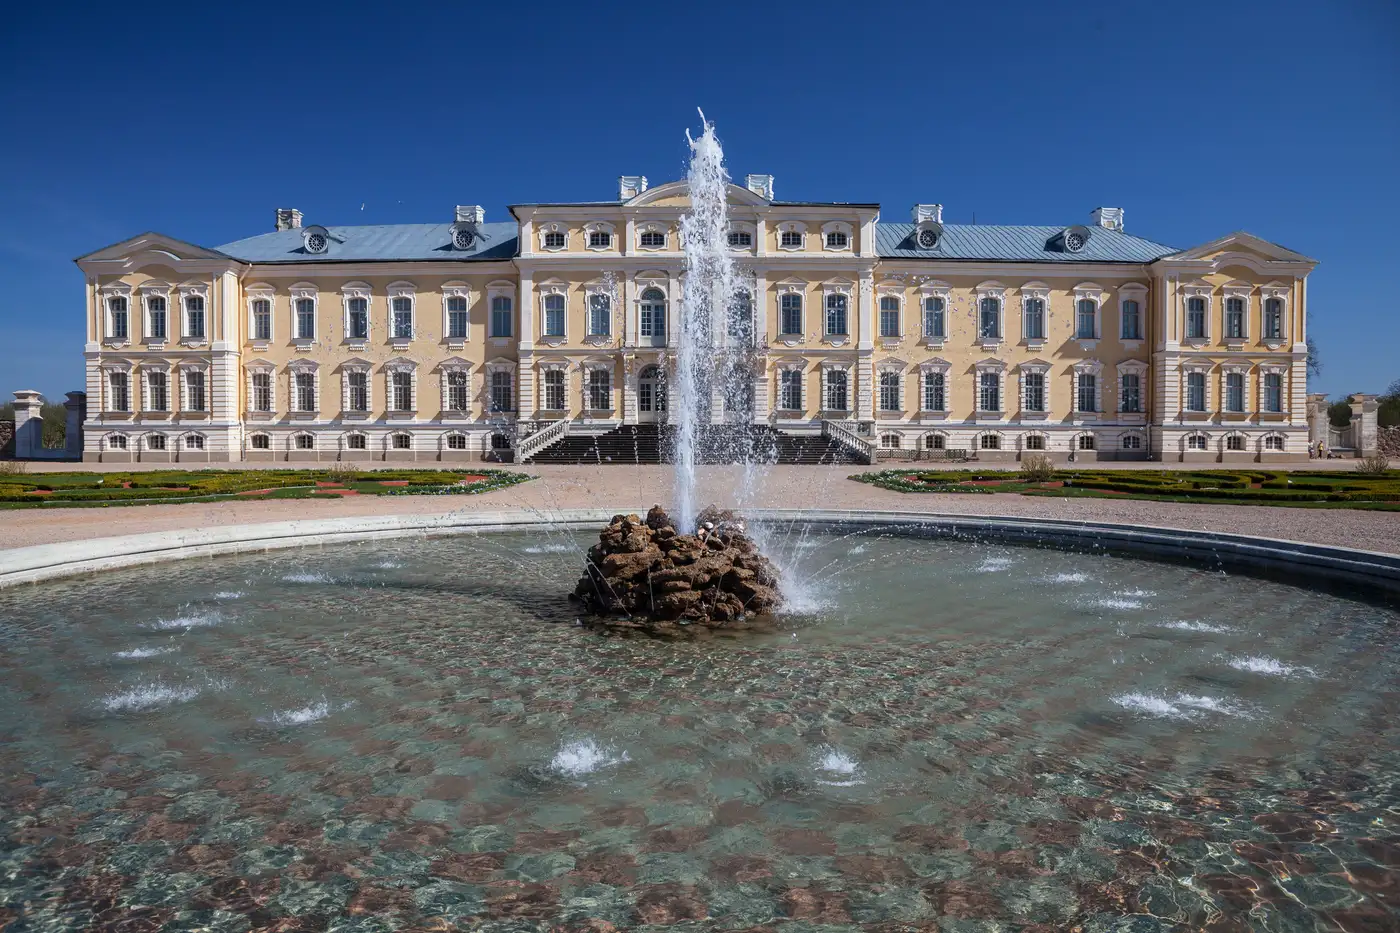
1037	468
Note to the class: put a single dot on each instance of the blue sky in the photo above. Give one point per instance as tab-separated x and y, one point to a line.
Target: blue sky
1280	118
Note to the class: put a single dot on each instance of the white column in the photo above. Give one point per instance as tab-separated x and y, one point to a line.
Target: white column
760	309
629	304
29	424
525	402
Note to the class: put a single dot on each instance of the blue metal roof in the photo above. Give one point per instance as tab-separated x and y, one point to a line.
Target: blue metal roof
377	242
1015	244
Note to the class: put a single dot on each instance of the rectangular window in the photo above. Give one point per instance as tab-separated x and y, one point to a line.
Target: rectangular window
401	394
935	318
501	316
889	392
260	442
554	315
554	389
599	389
403	318
1195	391
1035	318
989	326
1234	318
502	391
791	239
1196	318
599	315
1088	389
1086	318
305	442
740	238
1234	391
456	442
120	325
305	384
402	442
1273	319
457	390
194	391
790	322
457	318
358	385
358	325
262	319
989	392
155	309
262	392
837	390
194	317
935	392
653	239
306	318
599	239
1273	392
790	390
889	316
836	315
1130	393
1035	391
1132	320
159	384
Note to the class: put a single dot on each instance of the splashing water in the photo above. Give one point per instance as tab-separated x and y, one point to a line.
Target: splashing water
839	769
584	756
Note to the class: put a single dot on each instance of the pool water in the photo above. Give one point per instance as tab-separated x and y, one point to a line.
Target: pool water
415	735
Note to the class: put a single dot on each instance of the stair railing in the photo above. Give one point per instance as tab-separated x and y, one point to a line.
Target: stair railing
862	447
545	437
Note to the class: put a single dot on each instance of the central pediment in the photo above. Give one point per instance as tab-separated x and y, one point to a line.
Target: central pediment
677	194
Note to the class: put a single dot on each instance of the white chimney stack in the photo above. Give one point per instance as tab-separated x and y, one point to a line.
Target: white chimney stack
761	185
471	214
926	212
288	218
1110	218
629	186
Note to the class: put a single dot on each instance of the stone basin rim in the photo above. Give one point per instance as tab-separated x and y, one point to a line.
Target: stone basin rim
1371	570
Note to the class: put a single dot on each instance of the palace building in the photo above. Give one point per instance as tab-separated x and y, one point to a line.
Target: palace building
456	340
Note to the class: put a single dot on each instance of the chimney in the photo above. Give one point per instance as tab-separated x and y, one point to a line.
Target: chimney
288	218
1110	218
471	214
761	185
927	212
629	186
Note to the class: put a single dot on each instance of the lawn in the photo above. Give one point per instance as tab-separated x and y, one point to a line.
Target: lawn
39	490
1233	487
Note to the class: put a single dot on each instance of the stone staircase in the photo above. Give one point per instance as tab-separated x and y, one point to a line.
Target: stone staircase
650	443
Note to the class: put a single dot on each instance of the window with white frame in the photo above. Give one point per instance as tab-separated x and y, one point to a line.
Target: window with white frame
456	442
119	391
304	442
1234	442
599	238
261	394
1087	392
935	442
599	389
260	442
1273	442
401	309
791	236
194	390
501	316
401	390
1132	442
740	239
1196	318
599	315
935	391
355	442
457	394
836	307
1273	392
889	316
1033	313
157	390
891	441
553	383
555	239
154	441
304	390
1130	393
935	317
1234	317
652	238
989	442
357	318
457	317
502	390
890	394
194	316
1130	321
989	391
554	305
194	441
1034	387
740	324
262	318
1086	318
1196	391
1035	441
790	314
652	313
1234	392
401	441
157	324
306	318
790	390
1273	318
838	390
989	319
118	318
357	390
838	239
1086	442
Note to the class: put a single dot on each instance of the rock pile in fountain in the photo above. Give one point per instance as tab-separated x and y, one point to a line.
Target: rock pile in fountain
644	576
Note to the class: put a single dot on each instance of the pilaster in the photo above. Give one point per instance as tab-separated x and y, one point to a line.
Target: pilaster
29	424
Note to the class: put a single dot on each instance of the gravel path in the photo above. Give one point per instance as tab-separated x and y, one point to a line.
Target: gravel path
626	487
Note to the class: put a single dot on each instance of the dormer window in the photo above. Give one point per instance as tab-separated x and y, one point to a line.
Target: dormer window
837	240
554	240
652	239
600	239
928	238
315	239
740	239
792	236
464	238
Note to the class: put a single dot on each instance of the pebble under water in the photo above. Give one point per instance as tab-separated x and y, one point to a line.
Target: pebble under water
414	735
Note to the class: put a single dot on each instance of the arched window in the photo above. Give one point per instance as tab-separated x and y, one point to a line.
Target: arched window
1035	442
652	314
935	442
402	441
790	318
836	315
260	442
599	239
740	239
599	315
889	316
652	239
990	442
1086	442
554	239
935	318
554	315
837	239
554	390
194	442
116	442
891	441
651	391
1196	442
1273	442
456	442
1132	442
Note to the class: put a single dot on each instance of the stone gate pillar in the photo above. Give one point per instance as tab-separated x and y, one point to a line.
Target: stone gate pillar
77	414
1363	423
1317	419
29	424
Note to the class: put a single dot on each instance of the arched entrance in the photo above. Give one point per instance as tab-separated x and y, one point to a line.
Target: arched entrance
651	395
